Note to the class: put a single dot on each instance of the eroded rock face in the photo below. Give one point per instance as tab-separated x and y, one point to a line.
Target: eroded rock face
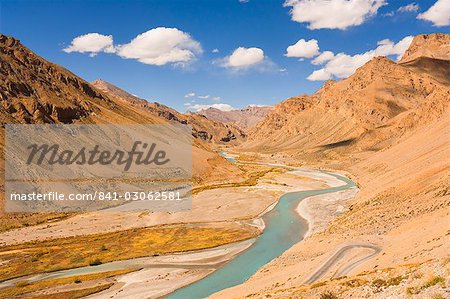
372	108
204	129
245	118
435	46
33	90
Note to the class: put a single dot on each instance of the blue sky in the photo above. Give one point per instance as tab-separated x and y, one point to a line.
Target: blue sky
264	75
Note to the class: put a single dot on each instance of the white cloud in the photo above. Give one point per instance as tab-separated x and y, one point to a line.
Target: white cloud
215	50
244	58
322	58
223	107
244	1
332	14
319	75
412	7
160	46
257	105
438	14
190	96
92	43
302	48
343	65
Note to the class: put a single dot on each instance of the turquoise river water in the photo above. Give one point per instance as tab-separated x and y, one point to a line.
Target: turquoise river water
284	228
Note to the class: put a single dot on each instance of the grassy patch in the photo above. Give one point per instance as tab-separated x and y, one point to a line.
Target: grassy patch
429	283
76	293
23	288
328	295
9	221
433	281
318	284
354	283
71	252
252	180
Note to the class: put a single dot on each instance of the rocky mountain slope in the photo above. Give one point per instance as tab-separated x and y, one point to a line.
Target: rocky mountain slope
244	118
388	127
435	46
33	90
203	129
369	110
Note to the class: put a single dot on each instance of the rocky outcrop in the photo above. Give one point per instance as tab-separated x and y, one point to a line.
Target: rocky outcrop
244	118
203	128
372	108
34	90
436	46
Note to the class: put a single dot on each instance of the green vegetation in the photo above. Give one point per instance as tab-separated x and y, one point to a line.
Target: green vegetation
318	284
354	283
433	281
76	293
429	283
22	288
328	295
379	284
252	180
71	252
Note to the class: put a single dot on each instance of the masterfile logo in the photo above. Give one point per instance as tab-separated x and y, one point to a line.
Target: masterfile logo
98	167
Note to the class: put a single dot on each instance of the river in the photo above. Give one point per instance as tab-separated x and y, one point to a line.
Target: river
284	228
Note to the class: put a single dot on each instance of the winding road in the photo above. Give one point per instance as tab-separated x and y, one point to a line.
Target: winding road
339	255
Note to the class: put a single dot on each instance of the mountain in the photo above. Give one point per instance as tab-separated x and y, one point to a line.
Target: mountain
207	130
33	90
387	126
436	46
368	111
244	118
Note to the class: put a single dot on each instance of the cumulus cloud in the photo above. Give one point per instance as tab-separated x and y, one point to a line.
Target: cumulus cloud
160	46
343	65
320	75
412	7
215	50
322	58
92	43
244	58
332	14
198	107
192	96
438	14
303	49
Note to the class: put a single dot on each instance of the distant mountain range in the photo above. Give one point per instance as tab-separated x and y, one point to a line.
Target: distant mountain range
244	118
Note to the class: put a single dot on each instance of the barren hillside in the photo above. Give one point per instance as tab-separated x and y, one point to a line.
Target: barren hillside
204	129
369	110
245	118
33	90
388	127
